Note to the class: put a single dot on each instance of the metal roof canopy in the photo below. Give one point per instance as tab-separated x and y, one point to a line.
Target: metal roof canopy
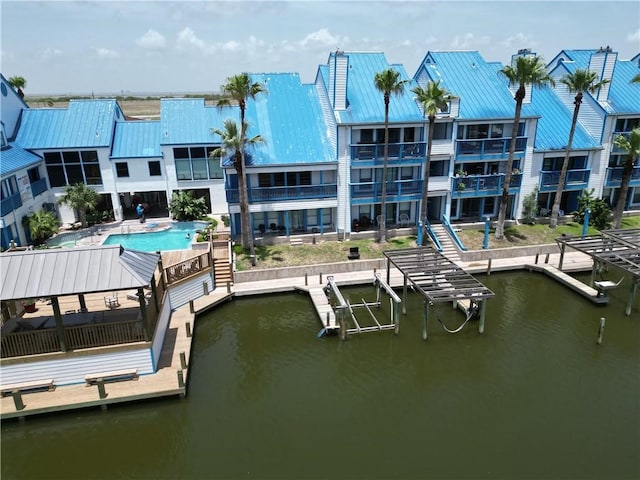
433	275
72	271
620	248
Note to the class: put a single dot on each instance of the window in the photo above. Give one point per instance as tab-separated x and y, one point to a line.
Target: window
154	168
67	168
199	166
122	169
409	135
34	174
439	168
183	169
626	124
194	163
9	187
442	131
365	175
366	136
406	173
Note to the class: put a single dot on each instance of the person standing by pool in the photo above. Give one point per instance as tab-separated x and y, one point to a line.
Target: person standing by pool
140	212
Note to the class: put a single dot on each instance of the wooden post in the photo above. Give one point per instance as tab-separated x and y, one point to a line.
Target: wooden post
489	267
83	303
59	325
632	296
426	320
537	255
561	256
102	393
600	331
180	379
228	286
205	287
594	269
404	295
483	309
388	271
144	314
17	400
546	258
343	326
320	278
396	317
191	307
306	279
183	360
187	326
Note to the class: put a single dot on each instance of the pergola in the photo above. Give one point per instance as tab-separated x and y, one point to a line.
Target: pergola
618	248
438	280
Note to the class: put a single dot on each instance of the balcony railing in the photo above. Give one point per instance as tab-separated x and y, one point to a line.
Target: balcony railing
10	203
373	190
488	148
575	180
375	151
38	187
614	177
483	185
271	194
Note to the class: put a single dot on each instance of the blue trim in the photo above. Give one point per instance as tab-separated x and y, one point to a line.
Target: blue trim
433	236
454	236
153	363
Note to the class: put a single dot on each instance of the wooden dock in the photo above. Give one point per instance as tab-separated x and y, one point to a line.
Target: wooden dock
567	280
323	308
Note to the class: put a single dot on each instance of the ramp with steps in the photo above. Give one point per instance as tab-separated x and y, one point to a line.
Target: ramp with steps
449	248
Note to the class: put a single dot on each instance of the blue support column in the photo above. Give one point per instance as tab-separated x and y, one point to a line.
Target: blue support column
585	223
485	241
419	240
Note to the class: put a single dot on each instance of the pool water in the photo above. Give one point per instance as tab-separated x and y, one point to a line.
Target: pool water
174	238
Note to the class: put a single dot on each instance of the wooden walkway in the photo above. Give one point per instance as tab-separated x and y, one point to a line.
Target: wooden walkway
567	280
323	308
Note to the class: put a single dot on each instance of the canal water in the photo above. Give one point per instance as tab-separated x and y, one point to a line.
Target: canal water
532	397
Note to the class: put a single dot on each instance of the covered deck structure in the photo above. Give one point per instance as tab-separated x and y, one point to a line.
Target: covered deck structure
438	280
617	248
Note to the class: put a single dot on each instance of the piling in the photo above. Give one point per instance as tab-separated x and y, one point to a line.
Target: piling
187	327
320	278
600	331
205	288
191	308
183	360
102	393
228	286
306	279
489	267
180	379
17	400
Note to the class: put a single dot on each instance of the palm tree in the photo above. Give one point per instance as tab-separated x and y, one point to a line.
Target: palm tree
388	82
42	225
631	145
636	79
240	88
525	70
233	143
18	83
578	82
432	99
81	198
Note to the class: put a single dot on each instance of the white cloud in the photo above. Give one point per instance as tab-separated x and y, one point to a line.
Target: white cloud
152	40
323	38
469	41
188	40
634	36
51	53
231	46
519	40
106	53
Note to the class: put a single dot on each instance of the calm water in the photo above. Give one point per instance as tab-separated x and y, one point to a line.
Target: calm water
533	397
173	239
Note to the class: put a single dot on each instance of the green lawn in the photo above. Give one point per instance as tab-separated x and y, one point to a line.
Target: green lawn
286	255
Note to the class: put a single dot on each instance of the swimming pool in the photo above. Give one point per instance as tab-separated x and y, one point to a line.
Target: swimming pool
174	238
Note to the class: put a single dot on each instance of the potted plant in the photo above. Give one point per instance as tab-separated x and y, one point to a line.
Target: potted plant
29	305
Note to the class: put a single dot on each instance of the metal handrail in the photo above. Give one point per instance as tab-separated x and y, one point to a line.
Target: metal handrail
447	225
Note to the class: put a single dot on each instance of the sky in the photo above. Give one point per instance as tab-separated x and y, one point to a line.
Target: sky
134	47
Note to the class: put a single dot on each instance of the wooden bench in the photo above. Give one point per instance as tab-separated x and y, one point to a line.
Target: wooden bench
28	387
114	376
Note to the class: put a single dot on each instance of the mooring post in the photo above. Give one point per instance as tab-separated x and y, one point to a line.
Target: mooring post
388	271
426	320
187	326
17	400
600	331
343	327
320	278
404	295
594	269
483	308
489	267
396	317
183	360
632	296
537	255
102	393
191	307
561	256
180	379
546	258
306	279
205	288
228	286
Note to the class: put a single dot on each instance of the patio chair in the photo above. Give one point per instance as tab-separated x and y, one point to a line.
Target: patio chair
112	301
404	220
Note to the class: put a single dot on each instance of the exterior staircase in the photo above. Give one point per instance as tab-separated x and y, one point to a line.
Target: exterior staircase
221	262
449	248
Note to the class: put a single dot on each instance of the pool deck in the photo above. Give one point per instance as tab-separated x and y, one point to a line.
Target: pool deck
176	350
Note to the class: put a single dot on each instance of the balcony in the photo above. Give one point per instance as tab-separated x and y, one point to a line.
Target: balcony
489	148
401	190
614	177
38	187
278	194
576	180
483	185
397	151
10	203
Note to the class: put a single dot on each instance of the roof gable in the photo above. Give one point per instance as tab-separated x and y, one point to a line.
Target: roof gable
185	121
136	139
13	158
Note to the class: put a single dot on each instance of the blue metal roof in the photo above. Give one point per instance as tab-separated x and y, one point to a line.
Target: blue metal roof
483	92
289	118
365	104
137	139
624	97
553	128
13	157
84	123
186	121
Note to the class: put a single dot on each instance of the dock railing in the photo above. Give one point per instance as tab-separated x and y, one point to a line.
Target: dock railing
187	268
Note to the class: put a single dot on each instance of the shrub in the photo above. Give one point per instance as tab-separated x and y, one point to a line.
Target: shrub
600	216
